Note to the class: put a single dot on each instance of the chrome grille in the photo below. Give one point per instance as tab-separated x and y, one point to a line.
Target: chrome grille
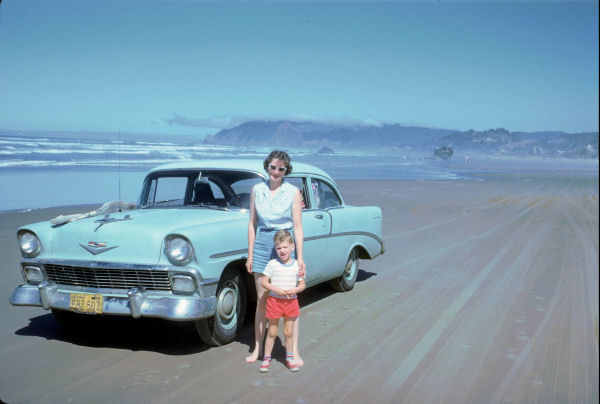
110	278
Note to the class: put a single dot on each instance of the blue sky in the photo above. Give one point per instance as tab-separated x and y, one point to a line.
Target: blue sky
186	67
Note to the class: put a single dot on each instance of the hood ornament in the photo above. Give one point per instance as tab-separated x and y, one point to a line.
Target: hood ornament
97	247
108	219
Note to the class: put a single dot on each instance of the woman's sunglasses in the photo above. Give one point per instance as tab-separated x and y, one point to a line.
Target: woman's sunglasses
274	168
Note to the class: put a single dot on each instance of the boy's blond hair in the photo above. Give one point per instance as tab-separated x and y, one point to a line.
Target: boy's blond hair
283	235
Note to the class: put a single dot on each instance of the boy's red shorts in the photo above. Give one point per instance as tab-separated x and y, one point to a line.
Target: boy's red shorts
277	308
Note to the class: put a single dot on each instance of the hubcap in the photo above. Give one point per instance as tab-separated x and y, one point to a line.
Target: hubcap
350	266
227	303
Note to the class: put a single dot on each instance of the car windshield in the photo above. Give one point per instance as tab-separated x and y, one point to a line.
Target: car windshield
219	189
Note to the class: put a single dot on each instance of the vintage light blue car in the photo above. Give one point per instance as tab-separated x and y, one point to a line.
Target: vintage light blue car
180	252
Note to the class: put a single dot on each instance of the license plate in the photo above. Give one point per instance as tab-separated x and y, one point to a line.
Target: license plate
86	303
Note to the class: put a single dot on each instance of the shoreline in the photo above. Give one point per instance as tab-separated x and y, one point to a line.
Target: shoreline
480	168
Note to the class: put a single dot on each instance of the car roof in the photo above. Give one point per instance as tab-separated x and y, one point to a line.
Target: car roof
238	164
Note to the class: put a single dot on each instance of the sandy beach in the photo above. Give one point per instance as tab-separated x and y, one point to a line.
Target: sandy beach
487	293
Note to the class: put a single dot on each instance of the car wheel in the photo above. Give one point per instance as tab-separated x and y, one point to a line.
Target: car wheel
347	280
222	328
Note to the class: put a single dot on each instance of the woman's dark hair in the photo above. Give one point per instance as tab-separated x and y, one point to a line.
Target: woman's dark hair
279	155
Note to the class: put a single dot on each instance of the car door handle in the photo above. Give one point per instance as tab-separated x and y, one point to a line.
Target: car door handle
319	216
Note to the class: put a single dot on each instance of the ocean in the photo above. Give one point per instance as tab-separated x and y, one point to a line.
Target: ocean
45	171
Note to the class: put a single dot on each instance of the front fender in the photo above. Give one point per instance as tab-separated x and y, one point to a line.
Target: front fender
215	244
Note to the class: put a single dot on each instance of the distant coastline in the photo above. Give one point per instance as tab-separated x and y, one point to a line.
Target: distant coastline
400	139
310	137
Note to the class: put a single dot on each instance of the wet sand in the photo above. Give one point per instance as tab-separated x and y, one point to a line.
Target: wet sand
487	292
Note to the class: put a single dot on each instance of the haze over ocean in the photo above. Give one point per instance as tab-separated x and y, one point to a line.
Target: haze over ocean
42	171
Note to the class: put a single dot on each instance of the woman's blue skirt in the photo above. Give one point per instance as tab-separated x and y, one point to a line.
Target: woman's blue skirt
264	249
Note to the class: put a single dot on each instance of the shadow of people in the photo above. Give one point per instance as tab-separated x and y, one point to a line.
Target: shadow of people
145	334
364	275
309	296
156	335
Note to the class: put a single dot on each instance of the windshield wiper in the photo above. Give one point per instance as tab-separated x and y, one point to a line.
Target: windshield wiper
167	201
209	206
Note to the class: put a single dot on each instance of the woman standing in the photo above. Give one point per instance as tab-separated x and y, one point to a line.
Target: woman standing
274	205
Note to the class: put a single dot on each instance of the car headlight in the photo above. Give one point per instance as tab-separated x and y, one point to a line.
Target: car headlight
29	244
179	250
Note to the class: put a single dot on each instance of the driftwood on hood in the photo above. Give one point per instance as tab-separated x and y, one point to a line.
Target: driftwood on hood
108	207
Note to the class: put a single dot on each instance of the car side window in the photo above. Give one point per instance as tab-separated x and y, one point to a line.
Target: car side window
243	189
300	183
325	196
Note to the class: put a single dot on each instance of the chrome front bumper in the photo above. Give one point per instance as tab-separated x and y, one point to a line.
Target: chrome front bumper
136	303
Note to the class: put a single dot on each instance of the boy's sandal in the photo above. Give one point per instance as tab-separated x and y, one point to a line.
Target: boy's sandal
265	366
292	366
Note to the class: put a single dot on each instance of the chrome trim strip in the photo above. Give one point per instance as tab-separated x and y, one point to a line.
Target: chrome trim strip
229	253
101	264
347	233
343	234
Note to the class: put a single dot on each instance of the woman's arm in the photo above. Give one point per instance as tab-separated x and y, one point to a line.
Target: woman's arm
251	232
301	286
298	232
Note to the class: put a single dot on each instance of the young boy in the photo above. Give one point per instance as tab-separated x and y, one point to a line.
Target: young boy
281	280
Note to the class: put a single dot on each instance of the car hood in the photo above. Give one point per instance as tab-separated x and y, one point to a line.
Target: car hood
127	237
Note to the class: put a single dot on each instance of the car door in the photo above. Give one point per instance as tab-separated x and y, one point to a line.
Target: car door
328	204
316	224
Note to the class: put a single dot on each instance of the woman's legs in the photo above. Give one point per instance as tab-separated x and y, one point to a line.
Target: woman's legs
260	318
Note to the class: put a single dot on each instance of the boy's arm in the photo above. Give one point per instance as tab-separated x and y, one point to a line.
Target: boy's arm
266	283
299	288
